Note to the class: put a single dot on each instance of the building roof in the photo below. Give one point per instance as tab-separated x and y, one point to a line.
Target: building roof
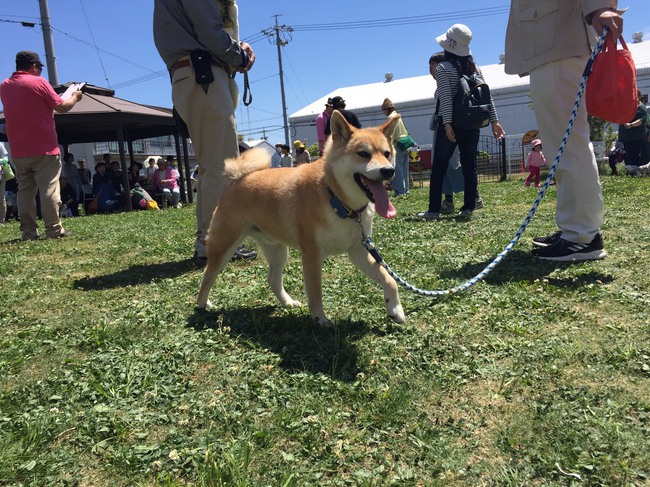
250	143
420	89
258	143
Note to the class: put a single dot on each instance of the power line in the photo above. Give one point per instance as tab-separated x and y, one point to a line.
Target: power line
103	50
142	79
22	17
21	22
304	96
29	24
391	22
83	9
255	38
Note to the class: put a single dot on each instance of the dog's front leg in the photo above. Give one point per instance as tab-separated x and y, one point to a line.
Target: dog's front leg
362	259
218	257
312	268
277	255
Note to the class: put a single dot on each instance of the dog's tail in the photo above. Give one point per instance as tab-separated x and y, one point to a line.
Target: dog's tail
250	161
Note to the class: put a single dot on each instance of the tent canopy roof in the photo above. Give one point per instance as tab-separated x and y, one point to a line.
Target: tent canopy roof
99	115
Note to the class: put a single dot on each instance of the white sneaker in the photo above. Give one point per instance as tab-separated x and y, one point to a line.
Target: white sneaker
429	215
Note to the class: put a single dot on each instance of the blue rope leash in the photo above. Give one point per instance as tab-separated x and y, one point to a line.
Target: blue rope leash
370	247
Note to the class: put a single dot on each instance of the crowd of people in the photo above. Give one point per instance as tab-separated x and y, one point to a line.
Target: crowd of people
107	191
104	191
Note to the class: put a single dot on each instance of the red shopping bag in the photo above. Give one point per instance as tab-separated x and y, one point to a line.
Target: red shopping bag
611	92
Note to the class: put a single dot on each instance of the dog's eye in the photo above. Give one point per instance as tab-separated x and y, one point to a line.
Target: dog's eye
364	154
387	154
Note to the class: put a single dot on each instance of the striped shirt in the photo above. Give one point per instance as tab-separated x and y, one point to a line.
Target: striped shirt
448	81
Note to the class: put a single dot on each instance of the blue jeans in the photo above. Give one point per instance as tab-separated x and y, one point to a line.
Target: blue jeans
401	180
467	142
172	196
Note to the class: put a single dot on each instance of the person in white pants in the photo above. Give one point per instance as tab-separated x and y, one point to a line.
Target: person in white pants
552	42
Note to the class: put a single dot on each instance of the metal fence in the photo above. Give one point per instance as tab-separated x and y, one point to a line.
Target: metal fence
491	161
496	159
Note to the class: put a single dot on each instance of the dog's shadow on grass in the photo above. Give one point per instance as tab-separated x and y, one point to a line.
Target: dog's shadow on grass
136	275
520	266
301	344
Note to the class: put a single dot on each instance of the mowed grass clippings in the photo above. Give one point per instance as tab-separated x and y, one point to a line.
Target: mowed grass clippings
538	375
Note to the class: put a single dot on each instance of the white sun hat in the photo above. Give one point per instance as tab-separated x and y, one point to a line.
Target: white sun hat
456	40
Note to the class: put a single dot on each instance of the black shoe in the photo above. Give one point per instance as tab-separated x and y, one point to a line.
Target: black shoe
546	241
565	251
199	261
243	254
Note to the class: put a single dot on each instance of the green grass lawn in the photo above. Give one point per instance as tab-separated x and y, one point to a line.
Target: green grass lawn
540	375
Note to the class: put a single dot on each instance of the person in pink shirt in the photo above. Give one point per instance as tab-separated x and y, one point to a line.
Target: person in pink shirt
166	180
534	162
321	123
29	104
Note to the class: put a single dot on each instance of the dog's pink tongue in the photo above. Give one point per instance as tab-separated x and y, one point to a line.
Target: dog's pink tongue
383	205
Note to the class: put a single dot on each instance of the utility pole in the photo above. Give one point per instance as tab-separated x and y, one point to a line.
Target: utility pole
50	58
275	31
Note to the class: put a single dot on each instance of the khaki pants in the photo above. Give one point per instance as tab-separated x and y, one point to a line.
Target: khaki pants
580	208
210	118
39	173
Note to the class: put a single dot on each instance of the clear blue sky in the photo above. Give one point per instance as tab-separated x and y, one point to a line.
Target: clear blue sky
334	44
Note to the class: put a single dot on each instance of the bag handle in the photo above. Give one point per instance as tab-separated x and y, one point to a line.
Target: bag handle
611	43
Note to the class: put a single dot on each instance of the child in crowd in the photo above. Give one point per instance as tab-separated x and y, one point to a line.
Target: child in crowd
286	159
534	162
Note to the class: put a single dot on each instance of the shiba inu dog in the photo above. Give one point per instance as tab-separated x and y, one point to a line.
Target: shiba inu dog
313	208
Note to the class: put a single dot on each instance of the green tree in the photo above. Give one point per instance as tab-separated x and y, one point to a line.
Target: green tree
600	129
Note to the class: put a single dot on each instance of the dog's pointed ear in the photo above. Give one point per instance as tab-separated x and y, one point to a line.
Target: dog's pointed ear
390	125
340	127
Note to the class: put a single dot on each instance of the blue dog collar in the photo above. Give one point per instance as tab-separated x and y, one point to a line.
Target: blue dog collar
340	209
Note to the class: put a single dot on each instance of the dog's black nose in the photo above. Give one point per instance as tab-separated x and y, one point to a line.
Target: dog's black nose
388	172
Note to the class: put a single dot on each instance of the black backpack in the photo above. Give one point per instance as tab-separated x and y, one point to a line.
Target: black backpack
472	102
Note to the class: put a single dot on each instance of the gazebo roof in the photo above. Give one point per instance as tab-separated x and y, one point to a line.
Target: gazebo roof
99	116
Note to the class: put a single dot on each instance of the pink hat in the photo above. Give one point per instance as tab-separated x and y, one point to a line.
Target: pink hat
535	143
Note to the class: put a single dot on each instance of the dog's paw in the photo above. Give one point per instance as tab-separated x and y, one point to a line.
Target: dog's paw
322	321
292	303
397	314
206	306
